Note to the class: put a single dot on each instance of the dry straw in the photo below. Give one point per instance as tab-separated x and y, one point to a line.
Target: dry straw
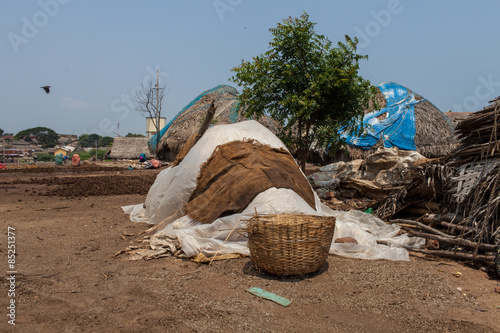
288	244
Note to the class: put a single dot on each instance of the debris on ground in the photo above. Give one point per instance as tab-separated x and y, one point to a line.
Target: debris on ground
269	296
453	202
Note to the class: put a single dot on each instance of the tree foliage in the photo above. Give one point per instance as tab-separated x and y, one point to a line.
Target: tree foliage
310	87
107	141
90	140
39	135
134	135
1	132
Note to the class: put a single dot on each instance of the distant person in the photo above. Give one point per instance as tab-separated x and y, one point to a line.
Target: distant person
59	159
75	160
142	158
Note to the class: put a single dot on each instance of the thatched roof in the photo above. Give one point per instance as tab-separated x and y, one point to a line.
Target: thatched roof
433	130
129	148
188	121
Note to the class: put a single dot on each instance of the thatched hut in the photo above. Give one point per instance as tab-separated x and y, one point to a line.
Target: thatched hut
405	120
188	121
129	148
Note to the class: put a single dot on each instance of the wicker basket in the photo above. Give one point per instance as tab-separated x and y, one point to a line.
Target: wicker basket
286	244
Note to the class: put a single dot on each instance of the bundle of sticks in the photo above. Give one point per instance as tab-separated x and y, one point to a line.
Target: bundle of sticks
445	234
478	133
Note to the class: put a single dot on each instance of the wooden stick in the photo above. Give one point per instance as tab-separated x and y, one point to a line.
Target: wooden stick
448	221
451	218
455	241
420	225
215	255
456	255
452	227
206	122
447	254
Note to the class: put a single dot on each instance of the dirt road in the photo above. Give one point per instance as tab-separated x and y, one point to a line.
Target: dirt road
68	225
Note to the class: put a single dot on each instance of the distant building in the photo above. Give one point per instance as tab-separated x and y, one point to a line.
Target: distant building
65	150
26	148
68	140
11	148
7	141
129	148
150	127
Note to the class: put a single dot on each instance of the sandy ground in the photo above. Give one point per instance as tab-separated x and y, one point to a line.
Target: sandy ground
68	225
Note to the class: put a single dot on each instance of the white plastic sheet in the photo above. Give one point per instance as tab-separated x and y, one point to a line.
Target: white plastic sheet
173	187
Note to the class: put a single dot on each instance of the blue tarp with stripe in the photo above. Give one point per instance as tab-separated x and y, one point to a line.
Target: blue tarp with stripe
397	129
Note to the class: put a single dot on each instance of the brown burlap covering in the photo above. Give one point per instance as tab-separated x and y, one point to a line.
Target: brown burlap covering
236	172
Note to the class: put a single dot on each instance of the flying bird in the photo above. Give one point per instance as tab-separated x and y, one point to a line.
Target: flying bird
46	88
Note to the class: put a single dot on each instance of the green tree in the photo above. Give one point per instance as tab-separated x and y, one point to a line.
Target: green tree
1	132
134	135
89	140
93	139
106	141
41	135
311	88
83	140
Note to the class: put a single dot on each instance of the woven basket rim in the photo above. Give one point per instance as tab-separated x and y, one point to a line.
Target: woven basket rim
279	220
289	244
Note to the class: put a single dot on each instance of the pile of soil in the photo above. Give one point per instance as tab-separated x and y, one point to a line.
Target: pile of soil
50	168
95	186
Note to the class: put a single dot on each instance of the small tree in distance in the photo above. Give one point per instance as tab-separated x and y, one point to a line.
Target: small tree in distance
148	100
311	88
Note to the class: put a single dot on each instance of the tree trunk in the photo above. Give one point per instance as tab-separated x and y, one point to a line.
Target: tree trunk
300	149
305	145
303	162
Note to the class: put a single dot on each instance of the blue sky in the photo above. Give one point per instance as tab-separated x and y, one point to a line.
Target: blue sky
95	53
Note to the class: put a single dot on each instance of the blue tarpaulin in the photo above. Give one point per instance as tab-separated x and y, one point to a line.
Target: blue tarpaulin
395	125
